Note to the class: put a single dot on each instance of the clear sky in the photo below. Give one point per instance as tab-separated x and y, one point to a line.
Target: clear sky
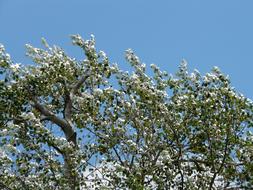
205	33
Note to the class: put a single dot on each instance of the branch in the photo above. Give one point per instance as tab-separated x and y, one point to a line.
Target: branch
79	84
65	123
50	115
69	96
65	126
224	156
119	158
68	107
56	148
44	118
222	162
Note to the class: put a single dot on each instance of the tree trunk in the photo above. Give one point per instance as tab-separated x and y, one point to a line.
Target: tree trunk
69	165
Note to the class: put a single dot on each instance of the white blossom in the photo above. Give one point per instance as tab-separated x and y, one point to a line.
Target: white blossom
15	67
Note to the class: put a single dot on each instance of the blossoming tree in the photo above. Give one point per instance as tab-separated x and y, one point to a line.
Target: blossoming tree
68	124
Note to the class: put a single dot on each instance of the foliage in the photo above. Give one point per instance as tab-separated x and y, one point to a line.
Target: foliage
68	124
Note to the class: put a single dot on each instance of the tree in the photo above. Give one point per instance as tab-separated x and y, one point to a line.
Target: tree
68	124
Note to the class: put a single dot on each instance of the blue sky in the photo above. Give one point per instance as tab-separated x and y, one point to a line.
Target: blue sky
205	33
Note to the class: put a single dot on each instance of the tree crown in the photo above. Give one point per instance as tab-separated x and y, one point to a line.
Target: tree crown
87	124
